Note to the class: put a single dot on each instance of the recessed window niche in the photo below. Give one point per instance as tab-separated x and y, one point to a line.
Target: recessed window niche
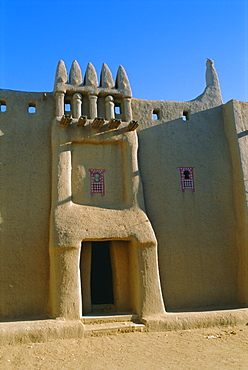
98	174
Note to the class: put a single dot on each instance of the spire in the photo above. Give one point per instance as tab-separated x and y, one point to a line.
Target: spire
211	75
106	79
75	74
61	72
90	78
122	81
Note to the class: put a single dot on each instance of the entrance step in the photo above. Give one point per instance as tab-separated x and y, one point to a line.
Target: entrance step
99	325
101	318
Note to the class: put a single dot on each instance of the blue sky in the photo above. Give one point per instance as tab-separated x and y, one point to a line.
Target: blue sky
163	44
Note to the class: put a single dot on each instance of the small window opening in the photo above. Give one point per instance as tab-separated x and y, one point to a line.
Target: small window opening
155	114
186	175
185	116
32	108
67	107
3	106
117	109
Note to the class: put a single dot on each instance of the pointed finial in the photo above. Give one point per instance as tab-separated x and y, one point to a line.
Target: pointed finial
75	74
90	78
61	72
122	81
106	79
211	74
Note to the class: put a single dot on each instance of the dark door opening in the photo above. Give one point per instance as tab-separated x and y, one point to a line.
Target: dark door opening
101	274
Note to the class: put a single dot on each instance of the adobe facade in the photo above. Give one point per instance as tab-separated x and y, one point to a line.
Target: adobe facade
118	204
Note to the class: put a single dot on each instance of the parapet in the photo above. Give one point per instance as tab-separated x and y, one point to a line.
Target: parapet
78	97
90	82
84	97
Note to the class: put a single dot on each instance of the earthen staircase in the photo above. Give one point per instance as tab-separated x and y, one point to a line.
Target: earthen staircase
102	324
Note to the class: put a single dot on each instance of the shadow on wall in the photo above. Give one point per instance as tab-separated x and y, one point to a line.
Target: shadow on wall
196	231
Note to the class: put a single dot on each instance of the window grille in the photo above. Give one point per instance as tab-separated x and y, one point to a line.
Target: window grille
97	182
187	178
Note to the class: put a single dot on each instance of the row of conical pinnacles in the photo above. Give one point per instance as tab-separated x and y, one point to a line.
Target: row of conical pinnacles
90	78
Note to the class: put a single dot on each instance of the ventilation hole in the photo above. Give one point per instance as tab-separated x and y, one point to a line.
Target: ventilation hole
185	116
3	106
155	114
32	108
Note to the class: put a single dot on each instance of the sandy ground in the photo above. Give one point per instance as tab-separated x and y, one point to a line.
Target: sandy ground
212	348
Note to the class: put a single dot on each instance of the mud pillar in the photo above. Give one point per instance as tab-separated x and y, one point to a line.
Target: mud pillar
76	105
93	106
127	109
150	295
65	283
60	102
109	107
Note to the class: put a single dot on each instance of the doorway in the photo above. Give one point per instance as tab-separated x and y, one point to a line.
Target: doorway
105	276
101	282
